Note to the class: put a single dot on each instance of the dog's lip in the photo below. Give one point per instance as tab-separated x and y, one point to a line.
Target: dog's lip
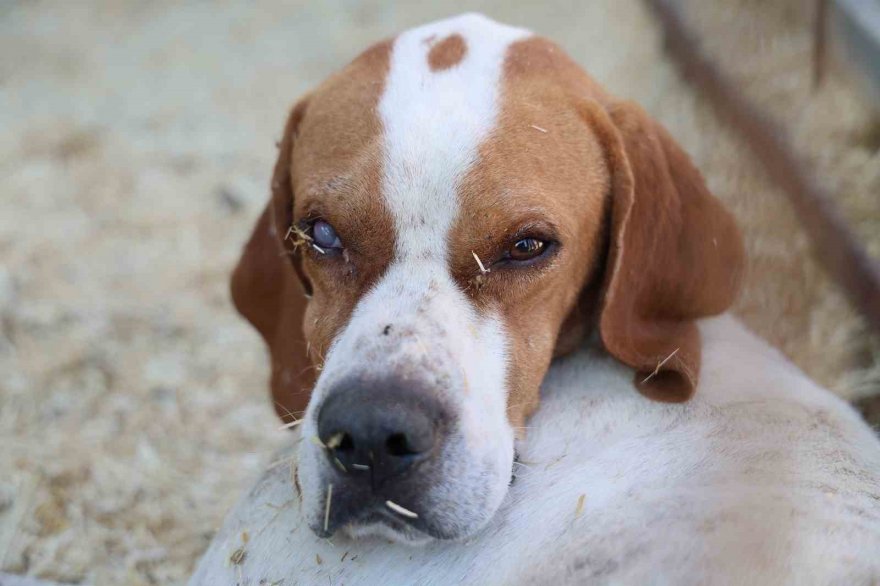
375	514
378	516
384	516
408	528
378	513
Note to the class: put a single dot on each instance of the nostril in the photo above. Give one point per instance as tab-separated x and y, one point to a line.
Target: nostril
340	442
347	444
398	444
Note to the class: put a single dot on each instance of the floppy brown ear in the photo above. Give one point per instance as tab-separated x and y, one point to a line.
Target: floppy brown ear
267	289
675	255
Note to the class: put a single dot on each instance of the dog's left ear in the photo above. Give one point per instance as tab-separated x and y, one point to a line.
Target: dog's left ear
270	290
675	254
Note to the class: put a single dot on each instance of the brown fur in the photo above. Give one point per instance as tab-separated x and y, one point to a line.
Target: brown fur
644	248
676	255
554	176
447	53
329	159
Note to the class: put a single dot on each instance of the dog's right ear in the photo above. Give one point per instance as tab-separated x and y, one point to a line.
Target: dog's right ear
675	254
270	289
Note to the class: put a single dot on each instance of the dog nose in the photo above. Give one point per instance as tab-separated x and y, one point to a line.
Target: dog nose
379	432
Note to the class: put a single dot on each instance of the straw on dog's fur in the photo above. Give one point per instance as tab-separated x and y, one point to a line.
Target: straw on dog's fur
401	510
327	506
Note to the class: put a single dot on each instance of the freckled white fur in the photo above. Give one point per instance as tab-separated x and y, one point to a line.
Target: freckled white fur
763	478
433	124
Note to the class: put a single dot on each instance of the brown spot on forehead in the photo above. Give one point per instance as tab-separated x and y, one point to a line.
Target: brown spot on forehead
447	53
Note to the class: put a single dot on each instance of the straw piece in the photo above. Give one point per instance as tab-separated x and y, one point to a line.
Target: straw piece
238	556
580	505
335	441
659	366
327	506
290	425
483	269
401	510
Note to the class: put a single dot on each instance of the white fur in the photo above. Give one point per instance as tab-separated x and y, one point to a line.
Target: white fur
762	478
433	124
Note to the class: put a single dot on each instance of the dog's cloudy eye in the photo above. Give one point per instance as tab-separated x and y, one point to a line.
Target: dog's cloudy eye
324	236
526	249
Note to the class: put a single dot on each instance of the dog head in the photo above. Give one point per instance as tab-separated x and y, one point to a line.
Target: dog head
449	212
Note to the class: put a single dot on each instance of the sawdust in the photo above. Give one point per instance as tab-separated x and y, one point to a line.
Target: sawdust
136	155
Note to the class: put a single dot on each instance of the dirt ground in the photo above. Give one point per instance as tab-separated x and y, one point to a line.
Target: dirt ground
137	145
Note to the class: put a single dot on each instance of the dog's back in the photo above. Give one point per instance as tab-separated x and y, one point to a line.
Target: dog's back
763	478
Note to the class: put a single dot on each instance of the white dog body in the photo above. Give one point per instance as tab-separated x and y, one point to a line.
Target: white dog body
762	478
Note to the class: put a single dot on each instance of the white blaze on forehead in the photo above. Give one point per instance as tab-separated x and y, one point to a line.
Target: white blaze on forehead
434	122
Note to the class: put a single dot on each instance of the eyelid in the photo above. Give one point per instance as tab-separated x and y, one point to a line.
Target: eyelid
315	210
537	230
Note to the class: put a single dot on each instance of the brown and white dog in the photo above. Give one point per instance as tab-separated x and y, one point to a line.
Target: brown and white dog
450	212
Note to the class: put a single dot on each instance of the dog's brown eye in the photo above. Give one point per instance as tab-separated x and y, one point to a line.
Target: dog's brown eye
324	236
527	248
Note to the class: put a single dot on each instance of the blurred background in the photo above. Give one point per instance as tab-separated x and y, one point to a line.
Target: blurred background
137	144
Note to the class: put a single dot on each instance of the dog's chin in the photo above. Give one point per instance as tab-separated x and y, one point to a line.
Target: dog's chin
396	533
379	524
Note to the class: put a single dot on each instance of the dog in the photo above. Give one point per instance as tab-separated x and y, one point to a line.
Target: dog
450	213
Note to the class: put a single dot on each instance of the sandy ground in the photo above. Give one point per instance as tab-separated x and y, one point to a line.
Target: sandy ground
137	145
